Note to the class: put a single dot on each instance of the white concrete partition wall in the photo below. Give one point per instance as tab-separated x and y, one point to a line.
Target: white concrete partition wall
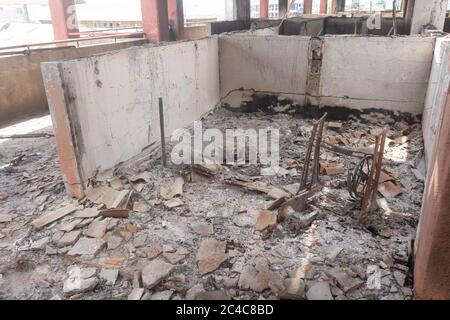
275	64
112	99
436	96
376	72
354	71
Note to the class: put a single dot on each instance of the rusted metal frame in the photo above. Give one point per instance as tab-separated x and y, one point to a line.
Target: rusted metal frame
371	189
314	142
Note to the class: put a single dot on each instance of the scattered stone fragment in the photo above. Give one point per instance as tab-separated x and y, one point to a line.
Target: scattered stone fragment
219	295
70	226
6	217
167	248
136	294
400	277
345	282
40	244
173	203
116	184
97	229
69	239
265	220
373	278
258	281
87	246
155	272
140	240
203	229
87	213
114	242
162	296
192	293
154	251
389	190
114	261
319	291
53	216
211	255
334	252
142	177
174	258
175	190
79	282
110	275
141	207
294	289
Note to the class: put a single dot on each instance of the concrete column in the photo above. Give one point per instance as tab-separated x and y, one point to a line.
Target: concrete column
428	12
64	18
155	20
282	8
176	17
264	9
242	9
307	6
323	6
432	263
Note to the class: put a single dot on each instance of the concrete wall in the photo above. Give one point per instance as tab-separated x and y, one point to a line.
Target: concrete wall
22	92
376	72
436	96
264	63
349	71
112	100
428	12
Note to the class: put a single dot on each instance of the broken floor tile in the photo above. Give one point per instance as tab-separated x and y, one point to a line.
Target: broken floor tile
265	220
319	291
203	229
69	239
345	281
53	216
155	272
210	255
87	246
109	275
87	213
136	294
97	229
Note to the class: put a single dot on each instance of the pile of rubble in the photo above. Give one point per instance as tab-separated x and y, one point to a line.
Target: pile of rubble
215	231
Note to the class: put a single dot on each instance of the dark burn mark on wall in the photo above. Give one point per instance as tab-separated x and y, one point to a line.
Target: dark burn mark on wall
267	104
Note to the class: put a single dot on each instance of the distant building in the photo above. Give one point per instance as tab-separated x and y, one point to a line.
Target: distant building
296	8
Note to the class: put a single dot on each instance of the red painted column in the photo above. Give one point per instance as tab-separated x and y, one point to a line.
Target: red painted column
155	20
323	6
307	7
243	10
264	9
432	263
176	17
64	18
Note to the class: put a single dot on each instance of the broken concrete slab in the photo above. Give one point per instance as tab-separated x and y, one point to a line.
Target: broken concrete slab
80	281
156	271
109	275
111	198
114	242
174	190
162	296
345	281
69	239
294	289
319	290
53	216
87	213
97	229
154	251
218	295
210	255
400	277
6	217
265	220
70	226
87	246
136	294
203	229
173	203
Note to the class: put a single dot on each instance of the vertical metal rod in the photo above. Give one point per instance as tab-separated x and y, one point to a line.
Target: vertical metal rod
163	136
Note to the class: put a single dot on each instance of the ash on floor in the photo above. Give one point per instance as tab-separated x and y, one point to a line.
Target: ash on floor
190	234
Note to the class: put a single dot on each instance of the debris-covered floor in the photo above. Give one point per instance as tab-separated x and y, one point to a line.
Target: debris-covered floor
190	233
